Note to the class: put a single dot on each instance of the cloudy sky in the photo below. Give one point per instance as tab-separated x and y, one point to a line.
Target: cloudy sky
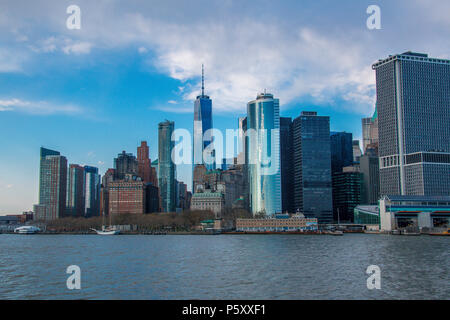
93	92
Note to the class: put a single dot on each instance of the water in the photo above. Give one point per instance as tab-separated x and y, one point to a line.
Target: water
224	266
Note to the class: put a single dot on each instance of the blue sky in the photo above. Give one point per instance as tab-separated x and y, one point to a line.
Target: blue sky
93	92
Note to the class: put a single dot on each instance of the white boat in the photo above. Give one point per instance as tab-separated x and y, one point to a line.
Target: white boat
27	230
107	231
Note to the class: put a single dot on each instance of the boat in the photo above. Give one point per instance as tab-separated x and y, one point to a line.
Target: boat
107	231
27	230
336	233
443	233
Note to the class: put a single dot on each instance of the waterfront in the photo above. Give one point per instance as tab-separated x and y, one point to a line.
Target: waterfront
224	266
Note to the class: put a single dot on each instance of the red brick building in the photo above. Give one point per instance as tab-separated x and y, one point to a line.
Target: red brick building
126	197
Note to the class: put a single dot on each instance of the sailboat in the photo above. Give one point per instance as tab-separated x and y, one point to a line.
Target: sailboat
107	231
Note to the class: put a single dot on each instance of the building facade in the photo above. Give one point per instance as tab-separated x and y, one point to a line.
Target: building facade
92	191
127	197
280	223
347	187
166	167
125	163
202	123
208	200
52	185
312	184
263	154
75	199
287	196
341	150
413	98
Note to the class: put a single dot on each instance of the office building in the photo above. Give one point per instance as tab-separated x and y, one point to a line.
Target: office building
287	196
92	192
203	123
127	197
341	150
75	199
370	131
413	99
125	163
312	166
263	150
52	185
357	153
166	167
144	163
346	193
370	191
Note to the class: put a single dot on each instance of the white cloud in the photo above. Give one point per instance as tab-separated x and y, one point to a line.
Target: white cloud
37	108
77	48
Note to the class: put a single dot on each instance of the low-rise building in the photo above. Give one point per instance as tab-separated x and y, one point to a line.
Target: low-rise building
278	223
208	200
414	212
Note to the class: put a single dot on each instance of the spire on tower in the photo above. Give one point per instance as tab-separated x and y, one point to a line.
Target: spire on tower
203	81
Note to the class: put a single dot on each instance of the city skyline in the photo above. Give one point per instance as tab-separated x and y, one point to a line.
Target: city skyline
57	91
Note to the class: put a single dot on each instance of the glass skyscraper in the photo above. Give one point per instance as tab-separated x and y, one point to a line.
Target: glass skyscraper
166	167
341	150
52	185
263	154
92	191
413	105
202	123
312	166
75	201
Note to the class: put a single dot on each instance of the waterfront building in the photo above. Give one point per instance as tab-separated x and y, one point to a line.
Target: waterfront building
208	200
52	185
166	167
263	151
75	200
312	184
125	163
278	223
413	99
287	196
92	191
202	123
341	150
370	131
107	178
419	213
127	196
346	193
367	215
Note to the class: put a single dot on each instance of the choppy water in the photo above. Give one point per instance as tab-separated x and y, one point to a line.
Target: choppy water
224	267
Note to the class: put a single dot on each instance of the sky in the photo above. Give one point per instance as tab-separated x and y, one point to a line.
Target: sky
93	92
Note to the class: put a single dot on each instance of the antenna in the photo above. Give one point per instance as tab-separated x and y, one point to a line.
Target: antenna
203	81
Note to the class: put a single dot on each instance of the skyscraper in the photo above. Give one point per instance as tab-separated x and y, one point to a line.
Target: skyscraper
346	193
166	167
263	150
413	99
312	166
52	185
341	150
370	131
286	164
202	123
92	195
125	163
144	163
75	200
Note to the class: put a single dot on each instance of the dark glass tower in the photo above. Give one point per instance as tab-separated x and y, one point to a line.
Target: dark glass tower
202	123
341	150
75	191
312	166
92	187
166	167
286	165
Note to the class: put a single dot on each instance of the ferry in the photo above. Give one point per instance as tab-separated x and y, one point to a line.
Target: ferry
443	233
27	230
